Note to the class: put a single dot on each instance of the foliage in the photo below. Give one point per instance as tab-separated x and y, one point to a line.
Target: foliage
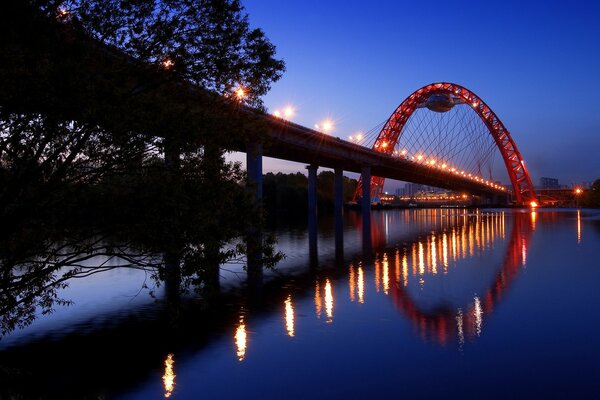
591	196
208	42
83	131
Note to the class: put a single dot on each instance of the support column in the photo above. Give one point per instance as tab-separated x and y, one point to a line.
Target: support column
366	205
339	211
312	213
254	239
254	169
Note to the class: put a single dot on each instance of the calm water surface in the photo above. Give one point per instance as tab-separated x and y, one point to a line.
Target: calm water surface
452	303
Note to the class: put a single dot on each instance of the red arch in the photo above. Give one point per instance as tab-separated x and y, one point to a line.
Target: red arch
390	134
440	324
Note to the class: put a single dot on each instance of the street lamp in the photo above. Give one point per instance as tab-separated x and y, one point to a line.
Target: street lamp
325	126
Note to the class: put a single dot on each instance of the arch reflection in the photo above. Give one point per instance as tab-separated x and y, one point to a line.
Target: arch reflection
444	323
458	236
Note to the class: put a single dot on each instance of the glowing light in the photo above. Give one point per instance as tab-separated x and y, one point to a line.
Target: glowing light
350	138
578	226
377	275
168	377
277	113
289	316
444	166
384	144
432	162
240	93
359	136
328	300
318	300
326	126
445	252
421	259
478	315
167	63
459	327
578	191
403	152
405	269
241	339
386	275
289	112
361	285
62	13
419	157
433	255
352	282
533	204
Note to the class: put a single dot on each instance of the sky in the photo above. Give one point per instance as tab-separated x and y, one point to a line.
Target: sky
535	63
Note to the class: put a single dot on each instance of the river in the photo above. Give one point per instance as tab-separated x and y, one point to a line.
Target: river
491	303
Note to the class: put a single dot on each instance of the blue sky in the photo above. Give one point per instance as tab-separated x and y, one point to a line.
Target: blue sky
537	64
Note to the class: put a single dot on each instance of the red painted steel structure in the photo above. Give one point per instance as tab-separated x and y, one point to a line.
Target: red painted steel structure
390	134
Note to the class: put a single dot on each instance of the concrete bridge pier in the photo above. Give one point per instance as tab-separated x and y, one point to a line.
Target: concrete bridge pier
254	238
254	169
338	184
365	203
312	213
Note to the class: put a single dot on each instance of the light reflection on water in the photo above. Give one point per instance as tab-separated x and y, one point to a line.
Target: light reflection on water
289	316
241	339
391	278
168	377
437	283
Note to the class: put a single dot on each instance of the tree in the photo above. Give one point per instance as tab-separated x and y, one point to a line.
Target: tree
89	90
208	42
591	197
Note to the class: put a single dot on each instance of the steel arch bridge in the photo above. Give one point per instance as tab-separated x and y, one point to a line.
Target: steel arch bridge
442	97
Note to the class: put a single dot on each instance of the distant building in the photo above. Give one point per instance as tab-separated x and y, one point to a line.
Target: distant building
549	183
411	189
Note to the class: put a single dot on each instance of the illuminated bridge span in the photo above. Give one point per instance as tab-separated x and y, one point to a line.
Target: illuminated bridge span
449	129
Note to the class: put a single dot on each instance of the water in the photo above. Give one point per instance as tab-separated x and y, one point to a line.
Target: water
453	303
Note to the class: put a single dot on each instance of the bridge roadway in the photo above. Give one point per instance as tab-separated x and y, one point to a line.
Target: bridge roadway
289	141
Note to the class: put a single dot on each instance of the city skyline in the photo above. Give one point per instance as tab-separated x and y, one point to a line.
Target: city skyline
355	64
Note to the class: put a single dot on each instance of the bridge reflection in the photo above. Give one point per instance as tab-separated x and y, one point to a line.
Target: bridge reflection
443	323
457	236
435	254
396	272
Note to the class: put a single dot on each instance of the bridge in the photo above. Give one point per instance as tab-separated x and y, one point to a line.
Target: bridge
409	147
388	156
